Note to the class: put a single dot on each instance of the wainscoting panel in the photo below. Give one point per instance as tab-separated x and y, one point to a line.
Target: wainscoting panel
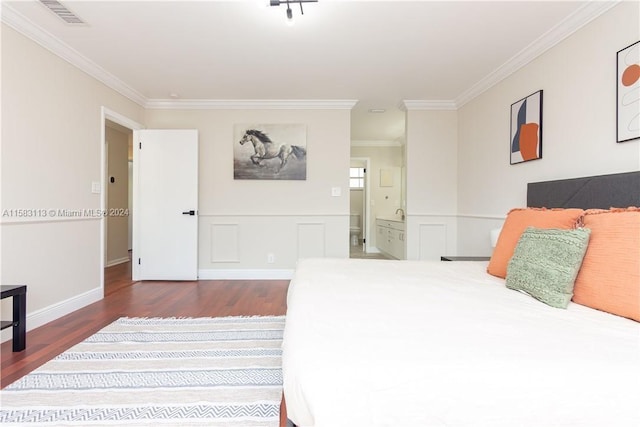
474	234
224	243
430	236
433	241
311	240
267	246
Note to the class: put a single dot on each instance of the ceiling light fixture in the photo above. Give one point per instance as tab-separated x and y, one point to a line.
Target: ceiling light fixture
289	11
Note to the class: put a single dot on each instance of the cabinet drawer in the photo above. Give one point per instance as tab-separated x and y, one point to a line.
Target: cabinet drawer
395	225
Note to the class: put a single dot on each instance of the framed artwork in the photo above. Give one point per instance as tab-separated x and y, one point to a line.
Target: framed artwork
270	151
526	129
628	93
386	178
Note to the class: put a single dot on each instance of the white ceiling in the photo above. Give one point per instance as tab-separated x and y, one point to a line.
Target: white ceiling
376	52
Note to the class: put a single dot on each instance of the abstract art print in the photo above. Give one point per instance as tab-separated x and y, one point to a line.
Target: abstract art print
526	129
270	151
628	93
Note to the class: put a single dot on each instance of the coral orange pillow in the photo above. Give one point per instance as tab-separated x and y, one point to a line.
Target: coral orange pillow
515	224
609	279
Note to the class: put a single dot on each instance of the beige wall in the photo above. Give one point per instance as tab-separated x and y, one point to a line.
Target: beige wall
117	241
51	153
432	178
459	181
242	221
579	124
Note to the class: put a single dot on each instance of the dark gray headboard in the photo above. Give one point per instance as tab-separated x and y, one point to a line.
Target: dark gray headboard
603	192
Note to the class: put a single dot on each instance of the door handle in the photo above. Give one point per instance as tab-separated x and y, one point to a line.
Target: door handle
189	213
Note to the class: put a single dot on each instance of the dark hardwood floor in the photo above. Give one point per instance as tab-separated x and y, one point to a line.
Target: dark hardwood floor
117	277
204	298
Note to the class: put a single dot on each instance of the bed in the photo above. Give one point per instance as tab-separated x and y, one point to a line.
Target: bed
417	343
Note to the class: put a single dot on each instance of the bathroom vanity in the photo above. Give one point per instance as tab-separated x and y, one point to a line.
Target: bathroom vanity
390	234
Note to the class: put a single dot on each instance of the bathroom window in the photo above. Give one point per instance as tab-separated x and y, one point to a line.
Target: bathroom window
356	177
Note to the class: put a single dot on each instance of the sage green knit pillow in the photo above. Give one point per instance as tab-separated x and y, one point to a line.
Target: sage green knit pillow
545	263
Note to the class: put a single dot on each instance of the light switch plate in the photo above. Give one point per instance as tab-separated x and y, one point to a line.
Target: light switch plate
336	191
95	187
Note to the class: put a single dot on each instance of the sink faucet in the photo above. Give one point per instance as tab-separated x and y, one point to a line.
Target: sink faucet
400	210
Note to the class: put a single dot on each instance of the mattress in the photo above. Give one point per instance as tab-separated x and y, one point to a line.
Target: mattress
417	343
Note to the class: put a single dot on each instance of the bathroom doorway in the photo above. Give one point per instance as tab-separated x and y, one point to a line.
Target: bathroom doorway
358	203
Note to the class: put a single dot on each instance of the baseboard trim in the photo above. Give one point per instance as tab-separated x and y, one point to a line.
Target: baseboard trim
55	311
117	261
248	274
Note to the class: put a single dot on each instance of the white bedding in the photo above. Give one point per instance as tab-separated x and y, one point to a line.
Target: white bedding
412	343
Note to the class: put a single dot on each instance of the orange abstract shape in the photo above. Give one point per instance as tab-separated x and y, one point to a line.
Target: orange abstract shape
529	141
631	75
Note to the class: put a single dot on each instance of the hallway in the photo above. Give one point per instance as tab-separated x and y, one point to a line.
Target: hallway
117	277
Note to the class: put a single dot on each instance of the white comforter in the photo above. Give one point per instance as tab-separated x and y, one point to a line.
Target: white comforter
410	343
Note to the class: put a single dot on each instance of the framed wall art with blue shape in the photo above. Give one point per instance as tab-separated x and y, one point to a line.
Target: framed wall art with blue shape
526	129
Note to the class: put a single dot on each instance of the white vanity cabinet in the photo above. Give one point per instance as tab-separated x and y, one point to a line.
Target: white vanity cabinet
390	237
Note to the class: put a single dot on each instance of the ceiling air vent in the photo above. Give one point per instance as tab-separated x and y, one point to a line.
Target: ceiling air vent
62	12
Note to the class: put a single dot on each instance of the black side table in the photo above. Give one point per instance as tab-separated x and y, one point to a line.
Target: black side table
465	258
19	323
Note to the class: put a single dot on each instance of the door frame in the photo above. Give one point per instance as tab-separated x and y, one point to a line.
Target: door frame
107	114
366	204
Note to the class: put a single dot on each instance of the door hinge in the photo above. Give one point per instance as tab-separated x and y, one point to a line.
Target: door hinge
365	170
364	240
138	261
140	146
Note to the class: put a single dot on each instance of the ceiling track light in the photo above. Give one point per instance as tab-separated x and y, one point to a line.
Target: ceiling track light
287	2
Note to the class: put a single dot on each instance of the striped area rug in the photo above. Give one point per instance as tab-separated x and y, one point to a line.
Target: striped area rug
175	372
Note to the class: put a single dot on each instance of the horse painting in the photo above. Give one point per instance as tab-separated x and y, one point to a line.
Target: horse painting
266	149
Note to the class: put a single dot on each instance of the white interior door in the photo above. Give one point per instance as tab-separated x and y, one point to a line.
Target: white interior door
165	243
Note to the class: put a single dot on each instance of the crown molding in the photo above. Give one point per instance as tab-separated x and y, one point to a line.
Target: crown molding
555	35
47	40
415	104
564	29
250	104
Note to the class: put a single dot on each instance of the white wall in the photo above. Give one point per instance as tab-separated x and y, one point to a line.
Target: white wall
578	77
242	221
432	176
51	148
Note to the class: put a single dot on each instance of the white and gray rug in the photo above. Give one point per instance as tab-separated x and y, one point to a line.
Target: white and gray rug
198	371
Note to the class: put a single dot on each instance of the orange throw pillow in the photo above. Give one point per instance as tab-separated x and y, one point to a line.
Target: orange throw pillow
517	221
609	279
